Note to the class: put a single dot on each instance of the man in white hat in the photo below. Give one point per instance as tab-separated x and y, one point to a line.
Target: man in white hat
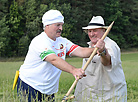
105	80
45	60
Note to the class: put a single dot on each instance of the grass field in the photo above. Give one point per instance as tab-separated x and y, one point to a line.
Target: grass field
7	72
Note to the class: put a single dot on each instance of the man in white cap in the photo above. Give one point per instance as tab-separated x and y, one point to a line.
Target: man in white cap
45	60
105	79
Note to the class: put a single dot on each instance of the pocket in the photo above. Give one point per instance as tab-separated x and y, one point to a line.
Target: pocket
91	67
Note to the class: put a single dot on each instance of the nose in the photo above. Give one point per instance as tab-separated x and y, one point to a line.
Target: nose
60	27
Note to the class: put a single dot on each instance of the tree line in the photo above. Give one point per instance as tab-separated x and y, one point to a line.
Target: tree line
21	21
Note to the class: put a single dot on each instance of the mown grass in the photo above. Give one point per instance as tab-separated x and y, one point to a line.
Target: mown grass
8	69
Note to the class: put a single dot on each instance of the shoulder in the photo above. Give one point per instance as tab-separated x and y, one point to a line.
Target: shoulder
107	40
110	42
39	36
40	40
62	38
112	46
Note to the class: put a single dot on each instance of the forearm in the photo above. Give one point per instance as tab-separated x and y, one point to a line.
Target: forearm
83	52
59	63
106	59
64	66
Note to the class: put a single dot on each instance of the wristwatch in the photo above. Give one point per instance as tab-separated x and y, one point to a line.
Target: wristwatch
103	53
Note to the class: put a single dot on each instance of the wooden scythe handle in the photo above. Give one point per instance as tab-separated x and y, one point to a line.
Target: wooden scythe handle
87	63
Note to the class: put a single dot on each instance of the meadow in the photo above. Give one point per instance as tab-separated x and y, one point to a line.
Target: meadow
9	67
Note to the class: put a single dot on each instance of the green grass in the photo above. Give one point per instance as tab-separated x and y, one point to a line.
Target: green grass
130	66
8	69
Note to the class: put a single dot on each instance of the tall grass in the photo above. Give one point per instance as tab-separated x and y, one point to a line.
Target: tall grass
8	69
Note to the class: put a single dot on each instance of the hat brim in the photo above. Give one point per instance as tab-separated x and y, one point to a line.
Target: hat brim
93	27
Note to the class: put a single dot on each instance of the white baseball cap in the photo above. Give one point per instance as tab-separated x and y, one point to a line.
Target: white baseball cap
52	16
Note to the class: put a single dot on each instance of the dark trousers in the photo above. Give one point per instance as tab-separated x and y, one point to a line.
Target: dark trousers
26	92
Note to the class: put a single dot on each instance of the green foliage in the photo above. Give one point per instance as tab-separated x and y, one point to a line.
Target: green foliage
13	20
114	13
4	31
31	18
23	46
20	19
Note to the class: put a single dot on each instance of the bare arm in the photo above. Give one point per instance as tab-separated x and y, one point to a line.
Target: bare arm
64	66
83	52
106	59
86	52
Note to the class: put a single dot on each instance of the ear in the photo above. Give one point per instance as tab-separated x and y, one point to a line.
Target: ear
45	27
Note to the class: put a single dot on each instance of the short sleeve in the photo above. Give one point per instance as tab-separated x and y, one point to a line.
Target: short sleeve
41	47
71	47
45	53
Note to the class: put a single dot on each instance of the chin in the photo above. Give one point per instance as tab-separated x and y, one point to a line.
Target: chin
94	42
58	36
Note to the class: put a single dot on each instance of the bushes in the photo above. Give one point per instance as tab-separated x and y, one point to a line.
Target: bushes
22	18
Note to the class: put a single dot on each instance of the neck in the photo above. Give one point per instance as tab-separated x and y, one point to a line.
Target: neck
50	36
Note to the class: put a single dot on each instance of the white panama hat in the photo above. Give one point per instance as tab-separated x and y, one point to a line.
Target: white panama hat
96	22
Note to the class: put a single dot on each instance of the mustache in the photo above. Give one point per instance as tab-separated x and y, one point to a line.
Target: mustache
59	31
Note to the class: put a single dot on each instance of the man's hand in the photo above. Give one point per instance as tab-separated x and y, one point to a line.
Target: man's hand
64	66
78	73
106	59
100	45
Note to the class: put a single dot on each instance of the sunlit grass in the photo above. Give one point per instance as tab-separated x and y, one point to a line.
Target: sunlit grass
8	69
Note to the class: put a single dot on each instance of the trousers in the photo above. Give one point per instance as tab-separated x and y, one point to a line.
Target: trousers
26	92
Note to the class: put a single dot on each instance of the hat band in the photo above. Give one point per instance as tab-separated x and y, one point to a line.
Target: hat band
96	24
